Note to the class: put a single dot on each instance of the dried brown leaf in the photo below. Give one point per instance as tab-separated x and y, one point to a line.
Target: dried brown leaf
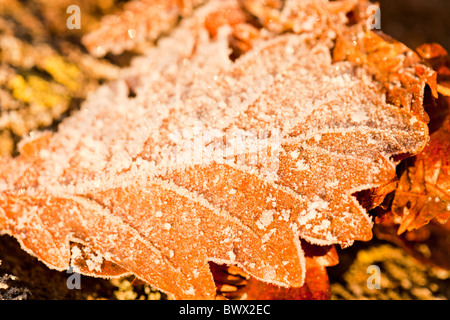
424	190
423	193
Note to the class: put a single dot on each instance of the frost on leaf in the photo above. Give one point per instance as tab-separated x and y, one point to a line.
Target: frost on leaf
211	159
424	189
233	283
423	193
420	208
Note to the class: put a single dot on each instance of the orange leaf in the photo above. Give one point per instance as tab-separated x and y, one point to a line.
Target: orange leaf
235	284
218	160
424	190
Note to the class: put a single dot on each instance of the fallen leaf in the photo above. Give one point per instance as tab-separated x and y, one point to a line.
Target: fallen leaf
417	219
438	58
234	283
401	70
192	158
423	193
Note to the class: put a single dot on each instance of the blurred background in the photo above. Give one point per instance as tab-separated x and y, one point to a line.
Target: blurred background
415	22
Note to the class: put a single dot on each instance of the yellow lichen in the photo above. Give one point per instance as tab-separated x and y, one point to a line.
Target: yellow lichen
62	71
35	90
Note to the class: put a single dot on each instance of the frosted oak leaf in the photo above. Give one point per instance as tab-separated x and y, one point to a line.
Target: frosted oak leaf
118	177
